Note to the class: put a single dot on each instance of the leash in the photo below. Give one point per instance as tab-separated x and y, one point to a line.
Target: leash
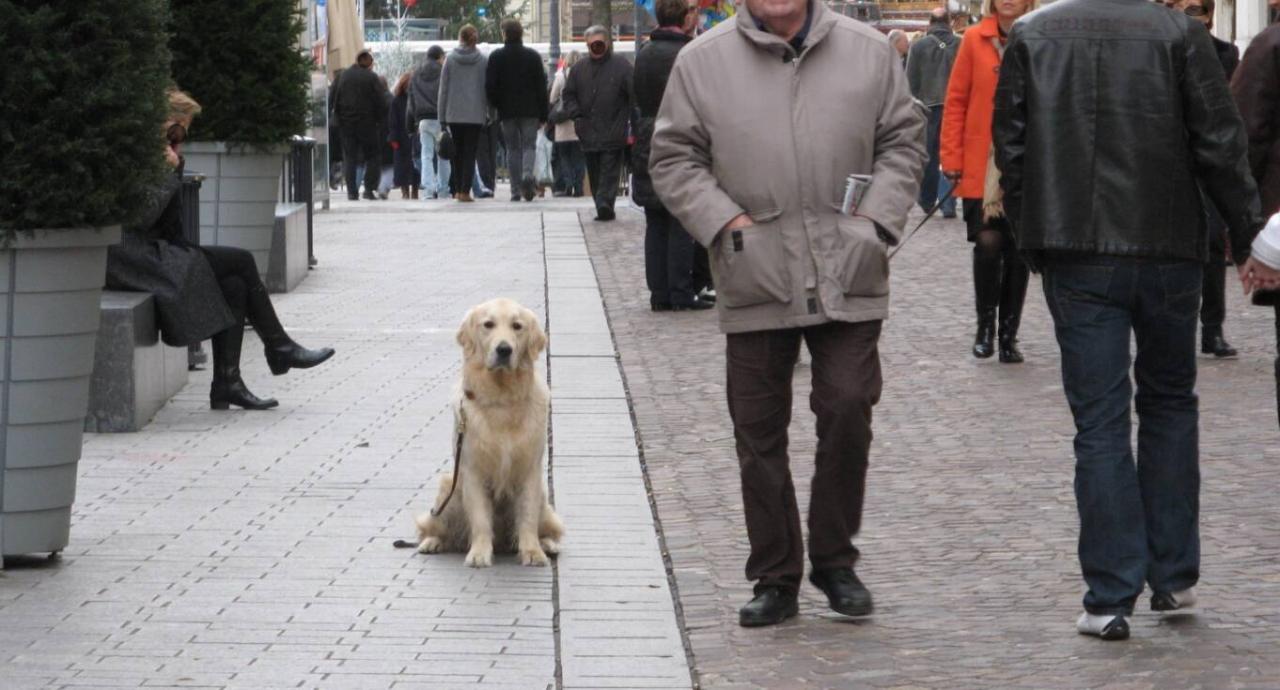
457	469
932	211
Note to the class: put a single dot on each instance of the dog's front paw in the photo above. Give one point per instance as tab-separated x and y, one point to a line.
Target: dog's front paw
480	557
551	546
431	545
534	556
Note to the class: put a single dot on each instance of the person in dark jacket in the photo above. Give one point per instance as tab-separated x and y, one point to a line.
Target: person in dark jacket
1108	207
668	248
516	84
401	139
360	110
1213	308
423	116
598	97
928	69
201	291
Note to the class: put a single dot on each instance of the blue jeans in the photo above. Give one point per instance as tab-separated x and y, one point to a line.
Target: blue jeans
1137	523
934	186
433	180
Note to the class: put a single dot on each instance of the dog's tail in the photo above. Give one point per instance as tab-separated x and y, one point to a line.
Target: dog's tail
404	544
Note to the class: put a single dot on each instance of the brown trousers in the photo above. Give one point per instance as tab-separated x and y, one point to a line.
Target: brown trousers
846	384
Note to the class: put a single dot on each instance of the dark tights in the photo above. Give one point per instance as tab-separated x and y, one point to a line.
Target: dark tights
999	274
242	288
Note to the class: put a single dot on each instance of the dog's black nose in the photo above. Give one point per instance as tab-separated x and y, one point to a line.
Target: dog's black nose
503	350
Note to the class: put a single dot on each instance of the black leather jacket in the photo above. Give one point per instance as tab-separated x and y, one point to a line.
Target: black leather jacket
1107	114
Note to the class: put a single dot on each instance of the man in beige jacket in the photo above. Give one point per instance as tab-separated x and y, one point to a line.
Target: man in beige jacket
763	120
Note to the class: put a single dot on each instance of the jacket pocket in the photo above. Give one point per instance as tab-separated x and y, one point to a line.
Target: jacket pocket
751	264
862	259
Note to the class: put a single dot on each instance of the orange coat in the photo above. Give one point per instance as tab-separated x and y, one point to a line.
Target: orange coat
965	142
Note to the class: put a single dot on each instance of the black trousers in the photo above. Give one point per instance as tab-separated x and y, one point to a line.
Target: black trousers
488	143
701	269
604	169
360	146
668	259
465	140
1213	308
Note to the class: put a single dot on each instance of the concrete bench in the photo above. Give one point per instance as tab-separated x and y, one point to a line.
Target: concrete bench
134	373
288	258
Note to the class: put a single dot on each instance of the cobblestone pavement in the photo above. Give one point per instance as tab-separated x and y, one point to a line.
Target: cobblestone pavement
253	549
969	538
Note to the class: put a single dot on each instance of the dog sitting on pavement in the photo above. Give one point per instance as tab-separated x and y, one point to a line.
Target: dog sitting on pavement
500	412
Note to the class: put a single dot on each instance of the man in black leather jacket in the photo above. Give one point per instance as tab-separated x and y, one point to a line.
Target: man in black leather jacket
1108	113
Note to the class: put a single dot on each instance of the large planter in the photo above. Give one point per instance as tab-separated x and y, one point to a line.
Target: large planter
239	194
50	287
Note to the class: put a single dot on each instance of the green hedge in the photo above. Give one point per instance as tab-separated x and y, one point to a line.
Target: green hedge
242	62
81	108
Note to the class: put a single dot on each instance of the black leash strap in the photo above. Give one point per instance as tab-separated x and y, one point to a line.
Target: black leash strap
457	468
932	211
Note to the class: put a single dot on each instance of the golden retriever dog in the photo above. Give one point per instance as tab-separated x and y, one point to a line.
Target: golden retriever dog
502	403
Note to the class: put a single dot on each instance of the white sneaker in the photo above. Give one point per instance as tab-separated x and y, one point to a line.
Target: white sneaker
1109	627
1172	601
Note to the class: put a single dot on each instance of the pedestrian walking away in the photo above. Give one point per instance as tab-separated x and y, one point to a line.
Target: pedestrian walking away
401	139
928	69
668	248
789	267
999	275
360	110
1107	206
422	114
463	107
598	97
516	85
572	165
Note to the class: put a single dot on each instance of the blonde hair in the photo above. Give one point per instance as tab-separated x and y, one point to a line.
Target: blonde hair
181	104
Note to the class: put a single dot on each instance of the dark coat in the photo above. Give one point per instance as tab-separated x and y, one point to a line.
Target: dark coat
401	140
516	83
357	97
154	257
1082	172
1228	55
597	96
929	64
653	67
1256	88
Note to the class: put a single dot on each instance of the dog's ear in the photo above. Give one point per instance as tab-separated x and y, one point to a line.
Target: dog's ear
466	335
537	336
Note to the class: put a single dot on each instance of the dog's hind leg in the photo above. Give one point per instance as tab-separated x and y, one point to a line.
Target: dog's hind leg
550	529
431	528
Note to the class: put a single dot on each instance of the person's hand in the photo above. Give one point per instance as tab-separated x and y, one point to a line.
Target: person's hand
171	156
739	222
1255	275
953	175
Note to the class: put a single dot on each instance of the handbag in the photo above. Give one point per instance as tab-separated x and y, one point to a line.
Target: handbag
446	149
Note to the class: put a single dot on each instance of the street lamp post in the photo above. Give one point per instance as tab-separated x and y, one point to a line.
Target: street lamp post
555	33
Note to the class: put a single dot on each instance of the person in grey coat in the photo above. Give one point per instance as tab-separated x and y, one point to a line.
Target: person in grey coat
598	97
464	107
928	69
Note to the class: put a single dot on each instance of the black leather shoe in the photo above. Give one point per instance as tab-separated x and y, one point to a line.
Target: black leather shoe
771	606
294	356
224	394
605	214
660	306
845	592
528	188
984	341
1214	344
695	305
369	196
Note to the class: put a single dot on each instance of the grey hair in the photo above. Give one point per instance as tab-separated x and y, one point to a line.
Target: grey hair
895	35
597	30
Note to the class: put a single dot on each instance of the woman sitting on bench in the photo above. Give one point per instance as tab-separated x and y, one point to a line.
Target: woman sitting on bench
202	292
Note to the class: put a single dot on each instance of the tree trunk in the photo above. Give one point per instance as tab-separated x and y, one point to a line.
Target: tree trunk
602	14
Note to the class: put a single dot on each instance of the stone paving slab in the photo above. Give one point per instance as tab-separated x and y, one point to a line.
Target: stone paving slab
247	550
969	535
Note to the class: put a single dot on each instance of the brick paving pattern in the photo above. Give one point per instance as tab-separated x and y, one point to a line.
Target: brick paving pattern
969	539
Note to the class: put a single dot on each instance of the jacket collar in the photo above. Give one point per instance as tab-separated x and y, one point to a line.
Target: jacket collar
941	29
661	34
989	27
516	43
821	21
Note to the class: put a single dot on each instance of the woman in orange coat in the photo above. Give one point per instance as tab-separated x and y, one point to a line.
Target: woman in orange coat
999	274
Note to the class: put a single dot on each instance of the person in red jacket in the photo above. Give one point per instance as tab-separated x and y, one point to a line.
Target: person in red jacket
999	274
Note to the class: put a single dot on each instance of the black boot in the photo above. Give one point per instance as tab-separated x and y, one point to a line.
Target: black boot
1009	353
282	353
771	606
983	343
228	388
1213	343
845	592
